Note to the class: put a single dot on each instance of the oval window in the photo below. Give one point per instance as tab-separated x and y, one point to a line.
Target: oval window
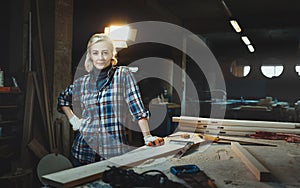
297	68
271	71
272	67
240	68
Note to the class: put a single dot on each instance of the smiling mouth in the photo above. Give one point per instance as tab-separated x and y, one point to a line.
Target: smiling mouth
100	62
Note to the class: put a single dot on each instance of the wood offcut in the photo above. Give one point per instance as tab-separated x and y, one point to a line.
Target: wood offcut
260	172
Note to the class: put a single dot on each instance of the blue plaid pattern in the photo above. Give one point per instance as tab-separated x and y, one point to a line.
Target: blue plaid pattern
103	114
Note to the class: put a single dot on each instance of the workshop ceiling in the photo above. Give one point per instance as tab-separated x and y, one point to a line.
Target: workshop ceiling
261	20
210	15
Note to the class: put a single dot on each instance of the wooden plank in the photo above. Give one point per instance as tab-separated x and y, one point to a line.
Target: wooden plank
40	99
260	172
239	128
44	81
233	122
58	125
37	148
144	153
88	173
217	132
76	176
27	122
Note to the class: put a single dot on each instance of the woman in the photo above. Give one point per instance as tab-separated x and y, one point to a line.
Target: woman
100	96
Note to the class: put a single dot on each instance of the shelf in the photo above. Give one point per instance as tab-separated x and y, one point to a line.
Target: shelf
8	106
4	138
6	152
10	90
4	123
11	117
7	155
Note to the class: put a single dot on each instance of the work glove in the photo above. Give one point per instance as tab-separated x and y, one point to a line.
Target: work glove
153	140
75	122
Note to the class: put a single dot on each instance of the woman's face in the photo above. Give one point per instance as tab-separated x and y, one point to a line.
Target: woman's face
101	54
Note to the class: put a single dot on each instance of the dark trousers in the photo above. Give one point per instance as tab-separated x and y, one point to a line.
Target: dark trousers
77	163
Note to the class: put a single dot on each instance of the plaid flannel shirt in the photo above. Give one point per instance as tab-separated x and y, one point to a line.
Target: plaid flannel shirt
103	112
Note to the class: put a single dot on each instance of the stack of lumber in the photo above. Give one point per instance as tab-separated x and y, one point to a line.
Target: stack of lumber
231	127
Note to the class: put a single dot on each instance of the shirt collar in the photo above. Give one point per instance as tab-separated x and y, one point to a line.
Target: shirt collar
98	74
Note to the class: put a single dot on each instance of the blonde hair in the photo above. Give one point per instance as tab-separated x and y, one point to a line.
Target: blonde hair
98	37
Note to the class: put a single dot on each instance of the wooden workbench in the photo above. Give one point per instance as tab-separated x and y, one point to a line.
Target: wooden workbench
220	163
223	165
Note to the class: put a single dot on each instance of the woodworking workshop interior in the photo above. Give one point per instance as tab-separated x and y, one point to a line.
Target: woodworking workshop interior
150	93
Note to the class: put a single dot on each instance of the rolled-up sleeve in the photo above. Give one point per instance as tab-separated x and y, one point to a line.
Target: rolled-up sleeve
133	97
65	98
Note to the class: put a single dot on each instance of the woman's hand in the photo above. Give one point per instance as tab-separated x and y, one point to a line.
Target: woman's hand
153	140
75	122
